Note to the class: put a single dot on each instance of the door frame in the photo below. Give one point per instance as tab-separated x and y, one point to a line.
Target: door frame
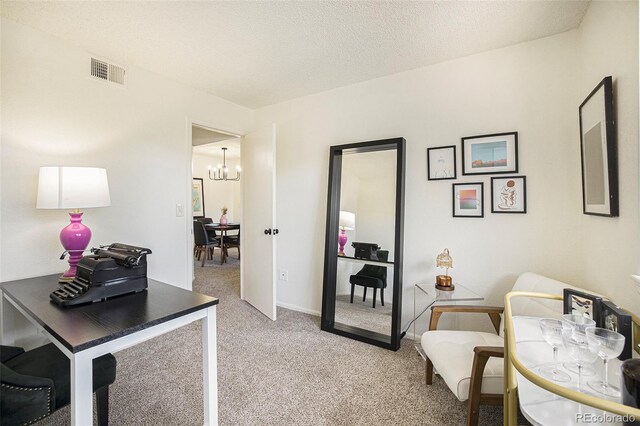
190	276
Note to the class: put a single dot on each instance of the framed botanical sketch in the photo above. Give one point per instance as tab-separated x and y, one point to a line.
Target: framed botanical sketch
441	163
616	319
581	303
598	149
509	194
490	154
197	197
467	199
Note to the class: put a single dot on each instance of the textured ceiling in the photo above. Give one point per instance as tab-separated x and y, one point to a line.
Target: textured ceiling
260	53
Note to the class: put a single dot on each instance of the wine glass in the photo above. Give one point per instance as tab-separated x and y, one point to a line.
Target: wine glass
607	344
552	333
580	323
578	348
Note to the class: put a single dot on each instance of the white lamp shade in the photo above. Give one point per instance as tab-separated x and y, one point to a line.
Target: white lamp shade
347	220
72	188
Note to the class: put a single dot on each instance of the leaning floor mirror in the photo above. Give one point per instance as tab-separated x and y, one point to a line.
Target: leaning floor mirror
362	293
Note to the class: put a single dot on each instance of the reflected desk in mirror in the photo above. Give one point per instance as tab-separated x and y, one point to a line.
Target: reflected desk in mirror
425	295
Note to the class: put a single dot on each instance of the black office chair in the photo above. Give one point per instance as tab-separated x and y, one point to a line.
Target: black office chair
204	245
36	383
372	276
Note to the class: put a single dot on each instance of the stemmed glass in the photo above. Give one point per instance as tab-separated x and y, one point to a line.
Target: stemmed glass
579	323
607	344
578	348
552	333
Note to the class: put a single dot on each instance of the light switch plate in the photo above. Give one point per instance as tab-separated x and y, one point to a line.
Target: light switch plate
179	210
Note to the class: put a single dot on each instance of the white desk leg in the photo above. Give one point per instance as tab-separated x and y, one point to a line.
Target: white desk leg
210	367
81	390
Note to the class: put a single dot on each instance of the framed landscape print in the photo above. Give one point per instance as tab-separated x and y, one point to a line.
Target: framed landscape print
197	197
490	154
616	319
441	163
580	303
509	194
467	199
598	149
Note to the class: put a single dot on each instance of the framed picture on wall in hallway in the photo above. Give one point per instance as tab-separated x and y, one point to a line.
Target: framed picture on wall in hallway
598	150
441	163
490	154
197	197
468	199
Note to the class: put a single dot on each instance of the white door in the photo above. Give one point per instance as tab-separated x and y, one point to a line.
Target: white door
258	276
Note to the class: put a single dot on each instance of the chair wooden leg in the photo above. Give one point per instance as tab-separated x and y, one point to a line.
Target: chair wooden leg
382	296
353	287
102	405
428	372
375	293
204	255
238	252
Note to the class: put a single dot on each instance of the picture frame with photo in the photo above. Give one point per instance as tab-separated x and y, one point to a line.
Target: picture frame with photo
581	303
615	318
490	154
441	163
598	152
509	194
468	199
197	198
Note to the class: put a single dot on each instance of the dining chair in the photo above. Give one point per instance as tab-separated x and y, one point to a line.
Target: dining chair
204	244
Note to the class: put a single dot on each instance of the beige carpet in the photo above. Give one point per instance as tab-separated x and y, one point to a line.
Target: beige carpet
286	372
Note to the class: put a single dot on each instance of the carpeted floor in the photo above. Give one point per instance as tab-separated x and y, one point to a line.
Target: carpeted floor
286	372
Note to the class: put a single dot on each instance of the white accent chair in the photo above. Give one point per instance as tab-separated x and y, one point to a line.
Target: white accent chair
470	362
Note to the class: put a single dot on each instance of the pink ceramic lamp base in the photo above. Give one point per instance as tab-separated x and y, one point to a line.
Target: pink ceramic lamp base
74	238
342	241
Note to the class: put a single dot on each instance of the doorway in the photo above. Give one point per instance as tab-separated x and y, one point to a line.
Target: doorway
216	200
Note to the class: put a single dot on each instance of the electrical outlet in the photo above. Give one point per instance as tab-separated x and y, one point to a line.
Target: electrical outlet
283	275
179	210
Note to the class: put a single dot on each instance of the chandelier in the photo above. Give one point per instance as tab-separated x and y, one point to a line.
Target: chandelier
222	171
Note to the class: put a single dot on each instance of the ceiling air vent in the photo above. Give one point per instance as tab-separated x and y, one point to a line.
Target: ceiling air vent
107	72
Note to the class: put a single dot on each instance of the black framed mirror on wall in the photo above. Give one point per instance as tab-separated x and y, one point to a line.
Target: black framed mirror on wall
362	291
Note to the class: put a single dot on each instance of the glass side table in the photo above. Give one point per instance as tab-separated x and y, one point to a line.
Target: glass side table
459	294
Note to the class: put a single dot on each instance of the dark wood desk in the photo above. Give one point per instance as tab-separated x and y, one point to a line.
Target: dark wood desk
223	229
86	332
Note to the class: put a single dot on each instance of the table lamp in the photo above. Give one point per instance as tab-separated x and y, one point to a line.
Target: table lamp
73	188
443	282
347	223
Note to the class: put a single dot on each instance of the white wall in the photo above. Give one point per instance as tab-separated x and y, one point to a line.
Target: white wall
608	45
526	88
54	114
218	194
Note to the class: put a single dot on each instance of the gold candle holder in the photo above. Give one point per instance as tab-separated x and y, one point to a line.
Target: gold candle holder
444	282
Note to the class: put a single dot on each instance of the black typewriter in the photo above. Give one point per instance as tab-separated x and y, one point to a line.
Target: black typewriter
109	271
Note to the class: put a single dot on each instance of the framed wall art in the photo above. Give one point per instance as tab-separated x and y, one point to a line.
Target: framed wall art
616	319
509	194
467	199
598	149
197	197
490	154
441	163
581	303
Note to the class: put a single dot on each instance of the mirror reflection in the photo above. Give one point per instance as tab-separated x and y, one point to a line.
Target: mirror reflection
364	276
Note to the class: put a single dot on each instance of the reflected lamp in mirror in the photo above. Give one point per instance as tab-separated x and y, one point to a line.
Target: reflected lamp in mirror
347	223
73	188
444	260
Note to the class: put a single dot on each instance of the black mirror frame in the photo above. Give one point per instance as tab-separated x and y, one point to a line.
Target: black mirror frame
331	243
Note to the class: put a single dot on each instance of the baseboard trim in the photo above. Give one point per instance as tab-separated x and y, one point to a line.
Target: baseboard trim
298	309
